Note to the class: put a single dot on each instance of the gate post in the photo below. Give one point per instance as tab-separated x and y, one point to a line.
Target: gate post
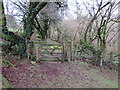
37	51
62	52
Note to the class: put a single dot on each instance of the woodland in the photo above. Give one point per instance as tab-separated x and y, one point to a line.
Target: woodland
67	44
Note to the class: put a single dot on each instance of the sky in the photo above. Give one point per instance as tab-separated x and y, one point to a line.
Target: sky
71	5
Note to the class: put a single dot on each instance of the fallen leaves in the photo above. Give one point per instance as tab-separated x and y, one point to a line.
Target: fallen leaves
60	75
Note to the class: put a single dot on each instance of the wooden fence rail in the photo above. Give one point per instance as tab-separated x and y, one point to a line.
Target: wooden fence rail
49	52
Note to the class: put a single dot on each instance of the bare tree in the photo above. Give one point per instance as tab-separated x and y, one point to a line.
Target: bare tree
101	16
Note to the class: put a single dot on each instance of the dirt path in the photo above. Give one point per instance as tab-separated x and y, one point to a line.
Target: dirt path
60	75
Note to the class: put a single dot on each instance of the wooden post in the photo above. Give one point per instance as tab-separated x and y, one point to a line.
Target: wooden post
63	53
37	52
71	54
27	48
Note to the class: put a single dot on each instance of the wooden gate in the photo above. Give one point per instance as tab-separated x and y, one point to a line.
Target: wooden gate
49	52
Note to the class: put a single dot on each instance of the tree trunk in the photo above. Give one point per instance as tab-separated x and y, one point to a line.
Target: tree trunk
10	36
34	9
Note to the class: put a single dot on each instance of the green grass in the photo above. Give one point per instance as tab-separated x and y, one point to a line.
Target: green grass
80	62
5	82
100	80
115	62
107	82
